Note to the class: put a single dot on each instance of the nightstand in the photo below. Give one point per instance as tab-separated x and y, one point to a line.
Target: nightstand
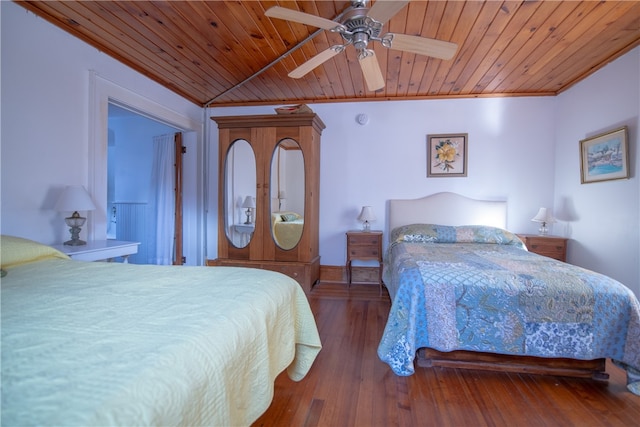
99	250
364	246
245	231
551	246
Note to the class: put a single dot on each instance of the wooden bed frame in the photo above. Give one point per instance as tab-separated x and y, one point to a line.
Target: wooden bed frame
454	209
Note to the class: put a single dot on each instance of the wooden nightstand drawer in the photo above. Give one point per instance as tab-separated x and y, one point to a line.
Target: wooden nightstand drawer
555	254
364	246
549	246
360	251
368	239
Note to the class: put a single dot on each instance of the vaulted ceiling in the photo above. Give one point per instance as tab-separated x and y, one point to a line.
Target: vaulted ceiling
224	53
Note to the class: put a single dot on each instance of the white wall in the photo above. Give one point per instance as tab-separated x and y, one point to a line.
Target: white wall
47	124
524	150
603	218
510	158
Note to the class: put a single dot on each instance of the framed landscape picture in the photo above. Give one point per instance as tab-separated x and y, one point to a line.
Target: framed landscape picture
447	155
604	157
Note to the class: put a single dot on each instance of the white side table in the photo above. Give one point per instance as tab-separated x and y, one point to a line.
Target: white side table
245	231
99	250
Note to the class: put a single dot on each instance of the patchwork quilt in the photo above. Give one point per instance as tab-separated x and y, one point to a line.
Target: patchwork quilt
477	288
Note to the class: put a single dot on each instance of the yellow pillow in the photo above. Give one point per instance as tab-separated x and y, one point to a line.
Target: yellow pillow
17	250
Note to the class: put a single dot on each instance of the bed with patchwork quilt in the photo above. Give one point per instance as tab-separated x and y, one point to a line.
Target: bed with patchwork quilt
477	288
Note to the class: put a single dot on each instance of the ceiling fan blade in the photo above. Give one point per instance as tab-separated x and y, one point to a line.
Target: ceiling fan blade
317	60
301	17
371	70
383	10
423	46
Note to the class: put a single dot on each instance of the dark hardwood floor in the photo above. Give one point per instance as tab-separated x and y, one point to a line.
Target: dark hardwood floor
349	386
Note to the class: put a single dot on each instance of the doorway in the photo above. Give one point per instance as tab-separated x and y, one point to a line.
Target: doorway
132	201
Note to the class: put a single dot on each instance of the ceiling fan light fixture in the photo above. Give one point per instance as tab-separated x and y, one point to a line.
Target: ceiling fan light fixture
359	25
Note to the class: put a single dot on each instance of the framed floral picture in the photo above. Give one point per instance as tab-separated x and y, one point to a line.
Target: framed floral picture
604	157
447	155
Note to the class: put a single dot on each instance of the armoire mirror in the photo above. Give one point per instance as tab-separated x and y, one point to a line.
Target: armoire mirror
240	193
287	194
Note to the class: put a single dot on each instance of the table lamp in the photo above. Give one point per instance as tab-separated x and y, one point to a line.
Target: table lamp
366	216
75	198
249	204
544	217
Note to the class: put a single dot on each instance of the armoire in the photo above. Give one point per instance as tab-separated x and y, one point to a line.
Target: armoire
262	158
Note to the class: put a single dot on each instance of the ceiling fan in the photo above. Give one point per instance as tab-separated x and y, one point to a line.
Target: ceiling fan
358	26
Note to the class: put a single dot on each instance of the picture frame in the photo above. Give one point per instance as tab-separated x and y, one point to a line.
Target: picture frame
447	155
605	157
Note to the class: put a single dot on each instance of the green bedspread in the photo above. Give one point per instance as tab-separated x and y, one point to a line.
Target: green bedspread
117	344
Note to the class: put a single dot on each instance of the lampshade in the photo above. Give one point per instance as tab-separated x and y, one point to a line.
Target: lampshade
366	216
544	217
74	198
248	202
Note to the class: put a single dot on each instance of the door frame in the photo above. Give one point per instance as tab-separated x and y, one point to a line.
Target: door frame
178	245
102	92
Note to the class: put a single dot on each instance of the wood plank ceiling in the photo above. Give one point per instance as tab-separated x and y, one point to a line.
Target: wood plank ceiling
224	53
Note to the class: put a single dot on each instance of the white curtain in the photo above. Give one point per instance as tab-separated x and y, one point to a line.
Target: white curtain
162	201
